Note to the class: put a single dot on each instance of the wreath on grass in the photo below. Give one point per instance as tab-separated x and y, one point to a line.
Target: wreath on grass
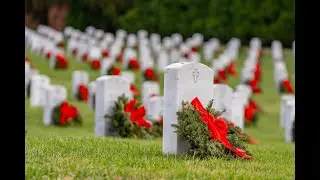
149	75
207	134
251	113
82	93
133	64
255	85
61	62
129	120
95	64
65	114
113	70
285	87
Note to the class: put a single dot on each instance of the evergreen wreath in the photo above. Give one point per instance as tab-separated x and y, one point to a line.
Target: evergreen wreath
82	93
251	113
149	75
207	134
61	62
95	64
285	87
133	64
128	119
255	85
65	114
113	70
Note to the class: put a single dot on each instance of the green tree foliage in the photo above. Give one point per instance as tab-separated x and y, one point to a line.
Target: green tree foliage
267	19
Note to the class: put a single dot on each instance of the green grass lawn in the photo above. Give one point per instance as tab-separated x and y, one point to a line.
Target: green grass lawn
74	152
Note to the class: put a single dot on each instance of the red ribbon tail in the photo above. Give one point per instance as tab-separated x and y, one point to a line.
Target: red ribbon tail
241	153
251	140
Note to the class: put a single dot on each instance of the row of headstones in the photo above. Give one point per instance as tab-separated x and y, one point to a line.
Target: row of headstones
50	33
280	70
174	55
42	93
43	46
178	86
287	116
228	56
150	92
252	59
114	48
93	36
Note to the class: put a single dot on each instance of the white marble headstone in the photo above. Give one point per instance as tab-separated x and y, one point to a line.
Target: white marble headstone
149	88
183	82
154	108
78	77
38	85
284	99
222	98
237	109
54	96
108	89
130	76
163	60
289	117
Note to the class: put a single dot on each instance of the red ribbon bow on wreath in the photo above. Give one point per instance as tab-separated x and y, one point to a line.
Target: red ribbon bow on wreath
254	84
218	128
95	64
67	112
85	57
61	60
105	53
286	84
83	91
137	114
232	69
133	63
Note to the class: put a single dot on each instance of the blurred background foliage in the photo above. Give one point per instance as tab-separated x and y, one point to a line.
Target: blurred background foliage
268	19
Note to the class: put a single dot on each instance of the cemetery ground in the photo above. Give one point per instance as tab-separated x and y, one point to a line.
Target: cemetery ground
66	152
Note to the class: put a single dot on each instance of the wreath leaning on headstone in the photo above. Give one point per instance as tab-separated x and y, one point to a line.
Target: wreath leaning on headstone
82	93
128	119
65	114
207	134
286	87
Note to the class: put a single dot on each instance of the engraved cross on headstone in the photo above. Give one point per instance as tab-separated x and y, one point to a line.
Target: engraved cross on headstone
195	75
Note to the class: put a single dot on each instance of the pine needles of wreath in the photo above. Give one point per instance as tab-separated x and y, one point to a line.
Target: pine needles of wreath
197	135
125	127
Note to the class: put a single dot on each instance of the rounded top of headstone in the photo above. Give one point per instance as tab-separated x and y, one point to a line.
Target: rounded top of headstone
108	77
181	64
